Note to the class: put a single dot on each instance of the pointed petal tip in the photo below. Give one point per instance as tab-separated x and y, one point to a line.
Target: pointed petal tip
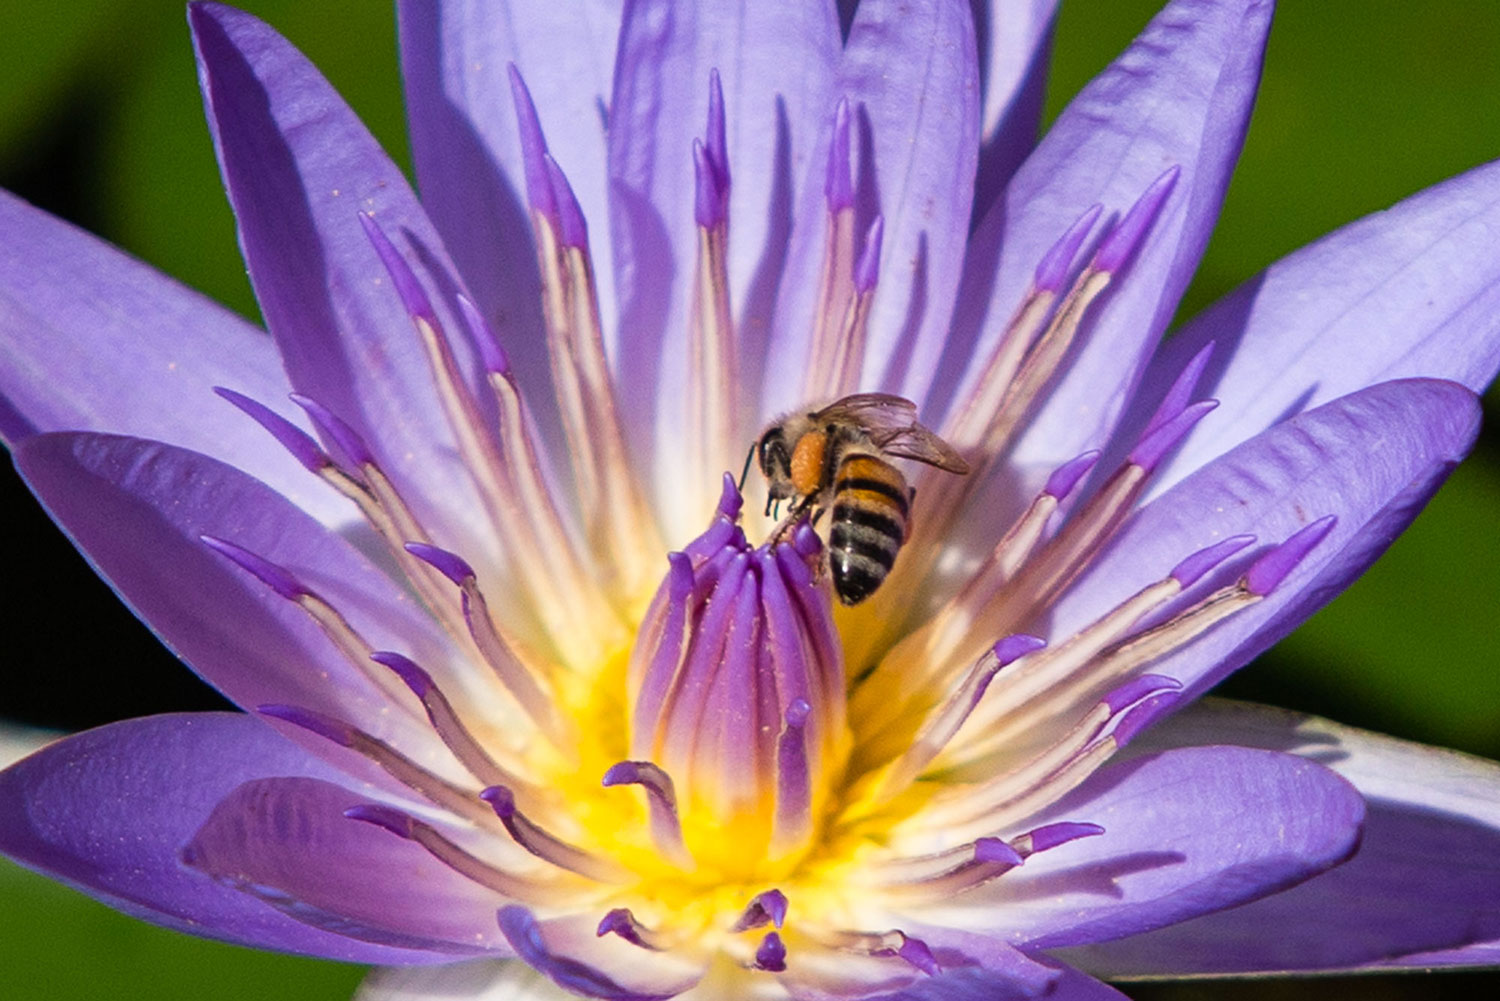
1267	573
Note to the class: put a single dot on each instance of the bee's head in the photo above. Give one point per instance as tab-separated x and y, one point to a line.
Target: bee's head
775	459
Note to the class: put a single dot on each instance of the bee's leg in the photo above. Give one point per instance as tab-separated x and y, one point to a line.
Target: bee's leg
815	516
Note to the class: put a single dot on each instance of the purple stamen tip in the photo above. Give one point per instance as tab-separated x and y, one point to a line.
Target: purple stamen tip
916	952
572	228
501	800
1176	398
1120	245
418	680
679	576
1267	573
1052	835
331	425
769	906
491	354
1154	445
622	922
1136	689
450	565
996	850
797	712
533	147
770	955
291	437
867	268
838	183
1067	476
1012	648
413	296
708	199
1148	711
714	133
1052	270
394	821
1192	569
324	726
730	500
805	541
259	567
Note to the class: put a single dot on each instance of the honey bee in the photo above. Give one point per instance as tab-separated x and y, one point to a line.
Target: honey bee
835	459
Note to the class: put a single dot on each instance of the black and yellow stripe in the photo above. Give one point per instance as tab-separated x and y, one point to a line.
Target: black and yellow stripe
869	519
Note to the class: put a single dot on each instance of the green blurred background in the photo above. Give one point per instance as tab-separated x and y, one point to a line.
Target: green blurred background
1363	103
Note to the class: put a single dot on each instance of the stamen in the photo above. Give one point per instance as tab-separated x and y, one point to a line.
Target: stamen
546	846
552	890
1051	836
988	859
623	923
836	279
661	799
500	651
296	441
1270	570
524	933
398	766
1121	243
768	907
849	352
446	722
770	955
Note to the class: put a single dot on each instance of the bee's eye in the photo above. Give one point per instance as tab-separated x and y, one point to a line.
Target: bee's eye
774	458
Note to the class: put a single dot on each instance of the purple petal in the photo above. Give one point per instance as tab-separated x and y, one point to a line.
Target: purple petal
912	77
95	340
1180	95
138	509
1371	458
300	170
1014	38
467	152
1187	832
1423	889
286	841
107	812
777	60
1411	291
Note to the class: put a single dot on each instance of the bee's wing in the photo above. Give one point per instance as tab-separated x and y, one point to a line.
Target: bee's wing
875	412
921	445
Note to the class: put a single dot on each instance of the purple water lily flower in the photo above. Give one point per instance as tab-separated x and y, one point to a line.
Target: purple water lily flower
533	691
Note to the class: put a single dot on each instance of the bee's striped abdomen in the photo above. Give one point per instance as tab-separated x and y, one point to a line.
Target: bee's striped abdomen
868	525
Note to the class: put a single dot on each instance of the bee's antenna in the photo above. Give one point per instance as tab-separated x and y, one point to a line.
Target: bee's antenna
746	471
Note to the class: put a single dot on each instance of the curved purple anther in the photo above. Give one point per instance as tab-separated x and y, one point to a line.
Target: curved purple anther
1156	444
916	952
1191	570
770	955
394	821
714	134
533	147
1266	573
708	199
1012	648
652	778
1146	712
290	436
1136	689
418	680
1052	270
805	541
327	727
768	907
623	923
572	228
491	354
1181	391
524	933
332	426
730	500
995	850
838	182
1052	835
867	268
1121	243
268	573
501	800
413	296
1067	476
450	565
